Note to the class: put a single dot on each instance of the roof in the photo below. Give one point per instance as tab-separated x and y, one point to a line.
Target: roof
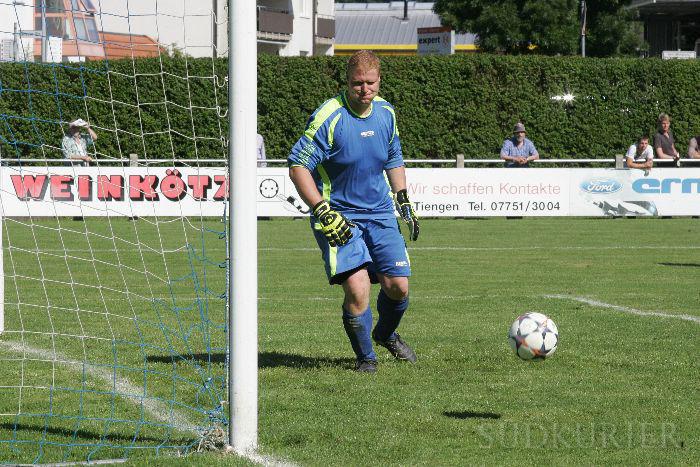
383	24
120	45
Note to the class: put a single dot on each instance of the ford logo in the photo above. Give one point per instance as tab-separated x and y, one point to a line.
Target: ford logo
600	186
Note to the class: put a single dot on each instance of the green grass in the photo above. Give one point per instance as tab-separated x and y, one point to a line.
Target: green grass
621	388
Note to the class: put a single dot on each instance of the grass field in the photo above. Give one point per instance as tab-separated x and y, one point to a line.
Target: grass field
621	388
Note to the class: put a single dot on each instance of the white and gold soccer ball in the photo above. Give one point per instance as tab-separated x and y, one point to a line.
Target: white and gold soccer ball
533	336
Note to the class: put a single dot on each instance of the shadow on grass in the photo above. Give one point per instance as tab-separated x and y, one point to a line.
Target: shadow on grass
682	265
91	435
265	360
280	359
469	414
195	357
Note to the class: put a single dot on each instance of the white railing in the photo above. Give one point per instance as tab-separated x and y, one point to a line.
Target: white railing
277	162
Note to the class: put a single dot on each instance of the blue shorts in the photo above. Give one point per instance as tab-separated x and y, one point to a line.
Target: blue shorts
375	243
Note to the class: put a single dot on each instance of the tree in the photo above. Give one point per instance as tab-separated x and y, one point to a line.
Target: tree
552	27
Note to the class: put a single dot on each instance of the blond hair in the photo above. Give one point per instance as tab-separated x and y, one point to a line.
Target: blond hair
364	60
663	117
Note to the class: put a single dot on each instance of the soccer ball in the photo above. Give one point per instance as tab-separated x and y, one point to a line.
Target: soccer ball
533	336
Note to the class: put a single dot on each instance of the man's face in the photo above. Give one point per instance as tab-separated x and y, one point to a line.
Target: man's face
642	145
520	136
363	86
665	125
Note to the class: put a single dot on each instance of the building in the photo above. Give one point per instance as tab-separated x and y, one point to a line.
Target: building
95	29
73	33
670	24
296	27
388	28
16	18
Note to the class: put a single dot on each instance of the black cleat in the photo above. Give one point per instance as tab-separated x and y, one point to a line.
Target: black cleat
398	348
366	366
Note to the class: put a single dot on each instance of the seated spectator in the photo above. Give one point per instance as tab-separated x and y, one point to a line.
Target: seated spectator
75	143
664	144
518	151
694	147
261	151
640	156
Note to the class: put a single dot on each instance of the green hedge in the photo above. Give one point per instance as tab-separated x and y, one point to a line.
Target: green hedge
445	105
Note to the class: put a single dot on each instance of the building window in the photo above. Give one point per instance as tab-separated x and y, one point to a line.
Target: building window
86	29
55	25
52	6
82	5
92	29
69	31
80	29
304	8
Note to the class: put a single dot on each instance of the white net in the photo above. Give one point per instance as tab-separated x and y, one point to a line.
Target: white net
113	244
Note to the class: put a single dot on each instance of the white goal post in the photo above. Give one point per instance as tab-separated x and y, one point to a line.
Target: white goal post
243	267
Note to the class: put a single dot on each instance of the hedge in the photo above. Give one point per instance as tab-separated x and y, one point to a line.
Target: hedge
445	105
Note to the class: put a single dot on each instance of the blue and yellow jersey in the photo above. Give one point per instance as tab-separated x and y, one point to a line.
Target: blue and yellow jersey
348	154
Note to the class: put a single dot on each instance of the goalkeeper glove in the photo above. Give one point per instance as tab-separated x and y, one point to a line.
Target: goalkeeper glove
334	225
405	208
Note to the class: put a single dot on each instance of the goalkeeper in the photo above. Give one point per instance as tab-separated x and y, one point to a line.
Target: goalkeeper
338	167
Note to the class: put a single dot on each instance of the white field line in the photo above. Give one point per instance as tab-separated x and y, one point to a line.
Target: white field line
159	410
625	309
68	464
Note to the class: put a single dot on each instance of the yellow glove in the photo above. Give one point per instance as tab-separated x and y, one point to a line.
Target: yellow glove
334	225
405	208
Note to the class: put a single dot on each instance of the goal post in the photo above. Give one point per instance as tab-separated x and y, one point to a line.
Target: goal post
243	278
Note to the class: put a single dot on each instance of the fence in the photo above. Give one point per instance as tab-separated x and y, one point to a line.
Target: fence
157	190
458	162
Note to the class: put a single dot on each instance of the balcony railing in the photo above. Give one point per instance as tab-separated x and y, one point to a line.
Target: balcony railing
325	27
275	21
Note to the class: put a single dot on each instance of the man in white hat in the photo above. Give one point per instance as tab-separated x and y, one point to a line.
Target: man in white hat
518	151
75	143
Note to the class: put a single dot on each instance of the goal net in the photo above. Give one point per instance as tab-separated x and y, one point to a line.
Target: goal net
113	266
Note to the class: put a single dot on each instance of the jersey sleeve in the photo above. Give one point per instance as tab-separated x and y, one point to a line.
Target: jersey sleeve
315	144
395	158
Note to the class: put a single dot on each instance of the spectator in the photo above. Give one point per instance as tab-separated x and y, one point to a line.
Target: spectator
640	155
518	151
75	143
261	151
664	144
694	147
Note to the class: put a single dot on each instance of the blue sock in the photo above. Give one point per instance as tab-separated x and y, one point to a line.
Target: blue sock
390	314
358	329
